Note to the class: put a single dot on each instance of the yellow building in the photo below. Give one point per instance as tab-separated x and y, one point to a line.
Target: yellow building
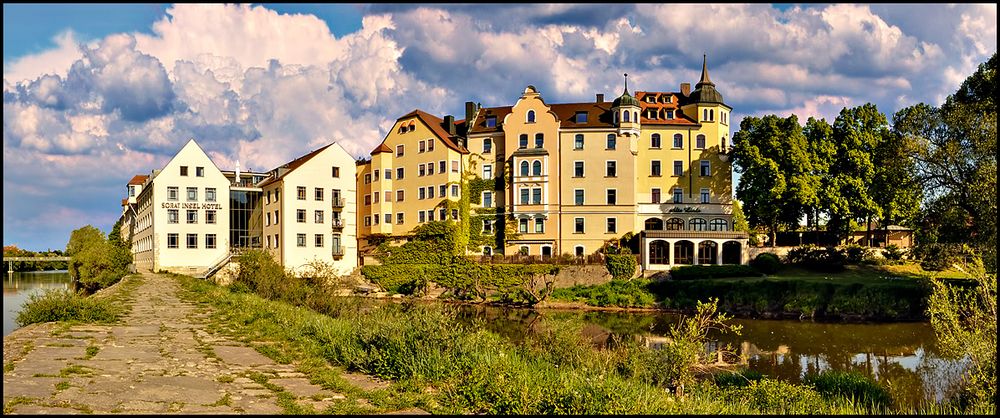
413	177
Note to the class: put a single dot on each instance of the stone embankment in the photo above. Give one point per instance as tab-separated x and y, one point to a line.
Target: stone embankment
162	358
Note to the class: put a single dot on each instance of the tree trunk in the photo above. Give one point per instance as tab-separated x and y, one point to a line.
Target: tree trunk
868	231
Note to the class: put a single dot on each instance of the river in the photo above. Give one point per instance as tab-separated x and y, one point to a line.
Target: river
18	286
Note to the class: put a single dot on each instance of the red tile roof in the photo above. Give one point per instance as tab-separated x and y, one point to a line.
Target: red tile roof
125	201
292	165
436	126
138	179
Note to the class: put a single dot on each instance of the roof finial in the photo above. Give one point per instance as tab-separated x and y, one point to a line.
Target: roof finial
626	83
704	71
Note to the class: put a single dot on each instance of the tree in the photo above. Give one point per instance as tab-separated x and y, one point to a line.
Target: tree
857	132
740	223
822	149
94	262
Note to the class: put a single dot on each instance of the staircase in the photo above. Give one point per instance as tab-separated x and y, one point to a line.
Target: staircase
218	265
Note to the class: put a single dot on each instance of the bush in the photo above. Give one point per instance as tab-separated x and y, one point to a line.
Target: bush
711	272
860	389
815	258
855	254
739	379
776	397
621	266
892	252
95	261
766	263
66	305
939	257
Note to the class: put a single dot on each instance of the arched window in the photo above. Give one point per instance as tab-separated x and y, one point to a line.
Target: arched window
616	118
674	224
658	252
522	141
711	114
654	224
578	141
487	251
612	141
678	141
718	224
699	141
625	116
697	224
524	168
635	116
654	141
579	251
536	168
531	116
539	140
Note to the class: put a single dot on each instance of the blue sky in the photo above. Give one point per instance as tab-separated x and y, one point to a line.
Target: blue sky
94	94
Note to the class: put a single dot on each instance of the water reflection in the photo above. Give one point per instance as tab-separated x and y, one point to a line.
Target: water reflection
17	286
902	356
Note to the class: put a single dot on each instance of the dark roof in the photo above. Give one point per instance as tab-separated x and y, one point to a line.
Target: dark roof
531	151
437	126
625	100
292	165
705	91
138	179
479	124
675	104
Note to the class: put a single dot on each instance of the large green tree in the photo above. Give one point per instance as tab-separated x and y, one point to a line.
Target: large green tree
96	263
857	132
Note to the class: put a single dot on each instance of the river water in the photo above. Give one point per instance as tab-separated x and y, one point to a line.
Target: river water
18	286
901	356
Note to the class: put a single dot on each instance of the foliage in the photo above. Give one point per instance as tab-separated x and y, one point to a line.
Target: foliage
892	252
691	334
736	378
13	251
859	388
776	397
767	263
854	253
740	224
95	262
964	319
941	256
621	266
826	259
621	293
66	305
711	272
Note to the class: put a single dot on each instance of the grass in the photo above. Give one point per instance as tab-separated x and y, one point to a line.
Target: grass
91	352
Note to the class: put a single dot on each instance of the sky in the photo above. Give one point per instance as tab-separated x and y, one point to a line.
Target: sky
94	94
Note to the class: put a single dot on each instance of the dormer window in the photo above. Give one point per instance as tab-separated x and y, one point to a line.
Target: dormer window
531	116
581	117
491	121
670	114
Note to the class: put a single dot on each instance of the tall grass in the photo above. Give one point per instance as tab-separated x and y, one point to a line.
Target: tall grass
66	305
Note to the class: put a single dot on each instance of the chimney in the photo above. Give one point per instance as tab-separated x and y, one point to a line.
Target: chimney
470	113
600	97
449	124
685	89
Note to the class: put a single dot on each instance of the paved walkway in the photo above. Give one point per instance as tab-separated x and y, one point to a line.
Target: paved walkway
161	359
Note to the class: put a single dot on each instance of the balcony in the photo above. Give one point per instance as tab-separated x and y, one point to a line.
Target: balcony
337	225
337	252
337	202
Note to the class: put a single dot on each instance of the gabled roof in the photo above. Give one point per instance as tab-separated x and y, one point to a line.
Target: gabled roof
125	202
436	126
679	117
138	179
292	165
479	123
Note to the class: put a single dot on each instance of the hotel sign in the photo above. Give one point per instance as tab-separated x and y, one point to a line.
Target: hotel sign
178	205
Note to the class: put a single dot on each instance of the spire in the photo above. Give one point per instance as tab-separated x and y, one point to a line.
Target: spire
626	83
704	72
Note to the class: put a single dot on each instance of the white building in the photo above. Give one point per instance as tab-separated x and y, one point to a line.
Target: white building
181	221
309	210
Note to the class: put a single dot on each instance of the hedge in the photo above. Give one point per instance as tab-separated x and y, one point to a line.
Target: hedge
711	272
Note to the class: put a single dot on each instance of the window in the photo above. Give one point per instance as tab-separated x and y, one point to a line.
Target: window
267	219
277	192
430	215
678	195
718	225
192	241
581	117
531	116
300	240
336	172
375	219
277	242
209	194
487	146
487	251
443	190
626	116
539	225
612	196
655	195
388	218
579	250
192	194
706	168
210	216
388	196
131	191
698	224
654	168
430	145
670	114
699	141
612	225
704	195
421	216
268	199
430	192
199	171
387	174
318	193
276	220
184	170
172	240
678	168
399	195
300	215
442	166
172	216
536	168
578	141
487	199
318	216
318	240
368	179
399	173
578	169
536	196
612	141
375	174
192	216
654	141
488	226
454	166
578	197
524	169
539	140
612	169
674	224
209	240
578	225
368	221
454	214
522	141
421	147
368	200
421	170
487	171
399	218
399	150
491	121
678	141
421	193
522	225
454	190
524	195
300	193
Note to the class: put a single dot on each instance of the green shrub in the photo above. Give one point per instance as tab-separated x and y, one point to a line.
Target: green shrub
892	252
940	256
776	397
737	378
855	254
711	272
815	258
861	389
66	305
621	266
766	263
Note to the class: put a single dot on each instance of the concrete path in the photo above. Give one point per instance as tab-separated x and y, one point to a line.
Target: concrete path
160	360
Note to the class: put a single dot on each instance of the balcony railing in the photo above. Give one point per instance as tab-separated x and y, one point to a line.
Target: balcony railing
337	225
337	252
337	202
